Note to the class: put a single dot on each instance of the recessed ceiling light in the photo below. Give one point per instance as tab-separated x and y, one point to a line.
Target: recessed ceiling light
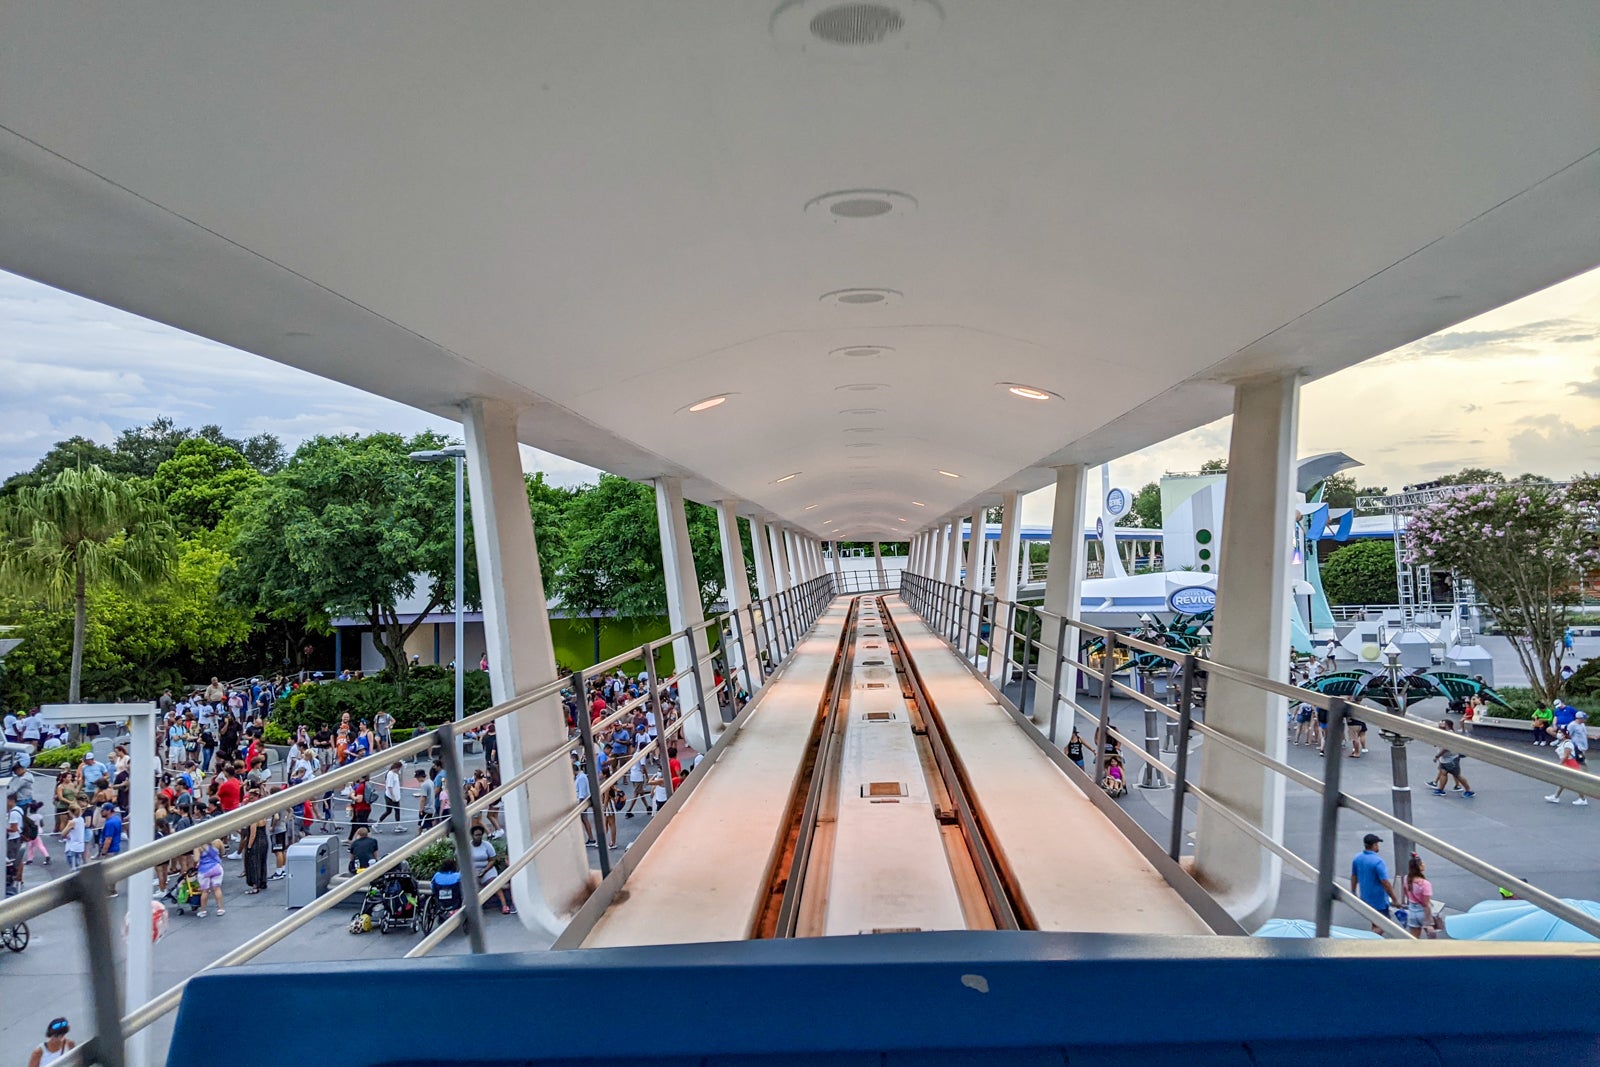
810	507
786	477
861	387
859	297
710	402
919	503
862	411
853	205
862	429
827	522
1027	392
947	474
861	351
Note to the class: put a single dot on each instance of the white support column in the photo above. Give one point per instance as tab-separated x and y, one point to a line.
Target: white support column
684	609
975	546
1252	634
1005	571
1063	590
736	585
781	556
761	545
838	564
919	553
516	627
814	556
877	561
952	553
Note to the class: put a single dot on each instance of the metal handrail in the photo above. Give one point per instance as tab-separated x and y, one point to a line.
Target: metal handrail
788	613
951	613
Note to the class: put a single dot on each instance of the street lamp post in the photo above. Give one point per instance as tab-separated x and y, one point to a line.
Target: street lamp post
1400	770
459	455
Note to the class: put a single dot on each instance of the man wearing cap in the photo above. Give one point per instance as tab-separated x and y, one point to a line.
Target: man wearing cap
1369	879
1578	732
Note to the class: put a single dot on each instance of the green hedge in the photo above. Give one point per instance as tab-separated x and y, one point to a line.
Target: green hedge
425	861
65	756
1524	703
429	697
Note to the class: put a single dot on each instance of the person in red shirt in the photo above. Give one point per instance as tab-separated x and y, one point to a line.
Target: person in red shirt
675	767
229	791
597	710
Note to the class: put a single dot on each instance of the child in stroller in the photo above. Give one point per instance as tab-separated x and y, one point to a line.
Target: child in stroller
1113	782
390	904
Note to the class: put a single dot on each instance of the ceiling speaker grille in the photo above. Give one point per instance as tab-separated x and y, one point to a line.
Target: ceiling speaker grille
857	24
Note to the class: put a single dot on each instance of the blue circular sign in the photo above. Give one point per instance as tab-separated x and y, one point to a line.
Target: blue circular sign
1116	503
1100	529
1192	599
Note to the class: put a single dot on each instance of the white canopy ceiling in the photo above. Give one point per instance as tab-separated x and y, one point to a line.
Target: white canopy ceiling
607	211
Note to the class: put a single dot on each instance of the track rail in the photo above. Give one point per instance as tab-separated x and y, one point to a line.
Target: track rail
801	863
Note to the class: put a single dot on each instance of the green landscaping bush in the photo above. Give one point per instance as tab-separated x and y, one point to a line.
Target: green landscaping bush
1524	703
1584	683
276	734
425	861
429	698
65	756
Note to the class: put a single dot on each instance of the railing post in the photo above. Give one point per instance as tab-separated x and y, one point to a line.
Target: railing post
1027	656
1108	670
745	650
1328	822
653	679
1180	767
109	1046
591	770
730	678
699	686
1055	686
460	829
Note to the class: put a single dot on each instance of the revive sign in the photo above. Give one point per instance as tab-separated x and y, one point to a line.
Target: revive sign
1192	599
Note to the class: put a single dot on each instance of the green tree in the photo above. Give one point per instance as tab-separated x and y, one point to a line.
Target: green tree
347	528
1361	572
611	558
202	481
1473	476
81	532
73	454
134	643
1146	508
1214	466
264	452
1526	548
1341	491
549	506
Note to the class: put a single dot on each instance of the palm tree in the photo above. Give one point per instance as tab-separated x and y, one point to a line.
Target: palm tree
80	530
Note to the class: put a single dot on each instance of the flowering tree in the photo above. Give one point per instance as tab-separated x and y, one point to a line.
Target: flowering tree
1524	545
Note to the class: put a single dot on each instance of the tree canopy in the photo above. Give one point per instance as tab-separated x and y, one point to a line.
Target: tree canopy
1526	547
1146	508
1361	572
201	483
346	528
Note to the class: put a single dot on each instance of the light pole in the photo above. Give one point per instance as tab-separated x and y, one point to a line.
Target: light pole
1401	789
459	455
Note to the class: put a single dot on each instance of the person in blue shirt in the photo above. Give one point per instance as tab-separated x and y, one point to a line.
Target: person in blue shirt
447	893
95	774
110	831
1369	879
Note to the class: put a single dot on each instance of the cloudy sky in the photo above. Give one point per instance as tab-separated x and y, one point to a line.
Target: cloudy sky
1516	389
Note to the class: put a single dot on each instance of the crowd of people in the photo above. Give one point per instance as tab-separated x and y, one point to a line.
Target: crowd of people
214	758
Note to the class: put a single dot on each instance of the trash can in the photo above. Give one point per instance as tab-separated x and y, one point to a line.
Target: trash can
311	863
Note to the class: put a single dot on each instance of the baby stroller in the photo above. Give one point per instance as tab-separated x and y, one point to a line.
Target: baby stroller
390	904
185	895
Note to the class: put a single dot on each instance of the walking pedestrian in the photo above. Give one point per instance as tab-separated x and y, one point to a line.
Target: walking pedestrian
1567	756
55	1045
391	798
1369	878
1418	894
1449	762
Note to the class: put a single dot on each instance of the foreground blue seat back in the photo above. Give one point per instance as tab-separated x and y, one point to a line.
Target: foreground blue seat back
931	999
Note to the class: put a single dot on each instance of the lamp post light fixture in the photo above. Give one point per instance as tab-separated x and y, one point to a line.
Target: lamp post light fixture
1399	768
457	454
